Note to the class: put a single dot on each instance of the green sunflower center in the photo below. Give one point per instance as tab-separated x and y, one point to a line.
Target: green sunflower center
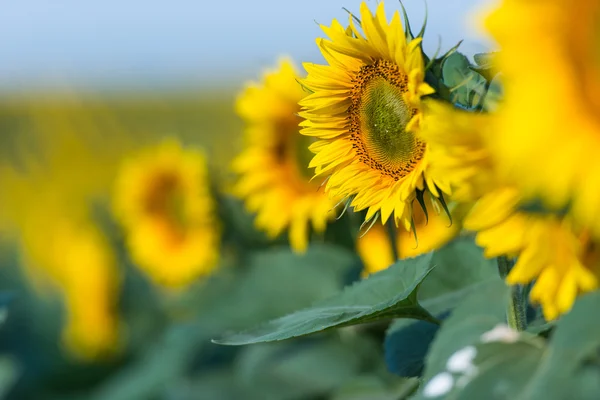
384	116
379	116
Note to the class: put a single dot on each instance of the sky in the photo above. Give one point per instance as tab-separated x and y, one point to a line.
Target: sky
205	43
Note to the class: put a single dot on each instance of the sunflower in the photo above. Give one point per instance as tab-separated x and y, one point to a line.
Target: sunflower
163	201
74	257
365	109
435	229
550	125
90	283
555	254
274	179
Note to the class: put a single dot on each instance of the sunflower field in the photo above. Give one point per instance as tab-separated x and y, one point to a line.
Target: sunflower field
384	224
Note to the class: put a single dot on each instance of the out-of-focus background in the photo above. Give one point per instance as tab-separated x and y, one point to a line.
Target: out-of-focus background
158	44
86	86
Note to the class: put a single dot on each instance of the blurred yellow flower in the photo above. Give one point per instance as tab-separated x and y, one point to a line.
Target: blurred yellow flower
549	134
562	260
365	110
274	179
79	261
551	251
61	162
434	230
163	201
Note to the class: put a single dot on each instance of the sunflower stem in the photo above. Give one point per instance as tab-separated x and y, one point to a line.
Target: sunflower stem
516	310
393	233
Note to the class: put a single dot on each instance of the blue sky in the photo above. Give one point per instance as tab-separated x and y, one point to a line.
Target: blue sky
147	43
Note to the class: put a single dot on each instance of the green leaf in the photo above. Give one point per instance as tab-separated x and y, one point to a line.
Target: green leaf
574	343
511	366
459	264
460	268
374	388
9	373
406	346
273	281
386	294
467	86
485	65
306	368
6	298
480	312
502	371
278	281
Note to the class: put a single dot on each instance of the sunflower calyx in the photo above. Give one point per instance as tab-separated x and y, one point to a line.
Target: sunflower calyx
485	65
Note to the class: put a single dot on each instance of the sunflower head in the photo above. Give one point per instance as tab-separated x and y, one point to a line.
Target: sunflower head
559	258
70	254
551	115
90	288
164	203
274	179
365	112
458	144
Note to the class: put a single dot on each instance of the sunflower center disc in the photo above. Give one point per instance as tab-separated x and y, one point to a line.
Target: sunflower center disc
384	116
165	201
379	116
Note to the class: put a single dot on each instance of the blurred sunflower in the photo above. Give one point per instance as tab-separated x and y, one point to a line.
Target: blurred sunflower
558	257
59	166
163	201
550	125
365	110
274	179
435	229
76	257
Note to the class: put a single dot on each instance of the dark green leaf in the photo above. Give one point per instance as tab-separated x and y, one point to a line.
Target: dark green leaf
302	368
512	366
479	312
502	371
386	294
272	282
9	372
459	264
374	388
5	299
406	346
575	342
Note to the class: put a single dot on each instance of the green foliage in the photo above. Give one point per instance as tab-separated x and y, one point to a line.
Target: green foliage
479	312
374	388
387	294
9	372
480	357
459	264
467	87
274	281
406	345
460	269
5	299
485	65
471	87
